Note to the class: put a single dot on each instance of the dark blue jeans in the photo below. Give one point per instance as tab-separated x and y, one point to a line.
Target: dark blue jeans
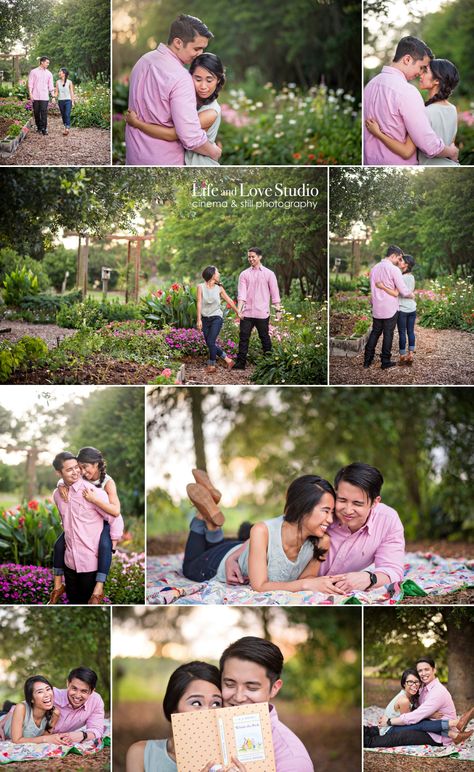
406	736
406	327
201	556
211	327
104	558
428	725
65	106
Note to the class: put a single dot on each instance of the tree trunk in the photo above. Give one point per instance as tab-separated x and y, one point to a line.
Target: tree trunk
30	485
460	659
197	419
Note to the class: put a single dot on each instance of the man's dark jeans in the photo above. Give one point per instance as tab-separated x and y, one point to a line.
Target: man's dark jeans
385	327
40	111
405	736
246	327
79	587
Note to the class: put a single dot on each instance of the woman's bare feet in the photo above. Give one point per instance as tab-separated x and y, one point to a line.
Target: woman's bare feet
205	505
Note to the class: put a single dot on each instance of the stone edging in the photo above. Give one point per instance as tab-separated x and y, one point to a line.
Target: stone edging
11	145
347	347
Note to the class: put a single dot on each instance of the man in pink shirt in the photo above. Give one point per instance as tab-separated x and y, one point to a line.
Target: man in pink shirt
251	672
385	306
40	86
399	109
364	533
81	709
82	522
257	289
162	92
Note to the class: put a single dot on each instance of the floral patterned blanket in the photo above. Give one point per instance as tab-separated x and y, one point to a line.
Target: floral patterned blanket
425	573
464	751
10	752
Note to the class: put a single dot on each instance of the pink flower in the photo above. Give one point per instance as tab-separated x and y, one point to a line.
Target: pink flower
167	372
33	504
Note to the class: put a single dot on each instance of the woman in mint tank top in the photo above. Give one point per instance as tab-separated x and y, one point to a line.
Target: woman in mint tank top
33	720
282	553
210	317
208	74
64	93
193	686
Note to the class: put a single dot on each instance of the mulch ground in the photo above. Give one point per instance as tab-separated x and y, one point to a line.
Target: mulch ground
330	750
99	762
102	370
80	147
48	332
442	357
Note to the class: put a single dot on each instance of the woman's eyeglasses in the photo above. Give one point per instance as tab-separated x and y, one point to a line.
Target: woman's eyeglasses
412	683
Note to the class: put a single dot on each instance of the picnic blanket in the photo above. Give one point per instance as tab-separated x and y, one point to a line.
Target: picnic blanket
425	573
464	751
10	752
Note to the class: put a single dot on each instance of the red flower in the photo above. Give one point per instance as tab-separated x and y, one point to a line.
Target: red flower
21	522
158	293
311	157
175	287
33	504
297	156
168	299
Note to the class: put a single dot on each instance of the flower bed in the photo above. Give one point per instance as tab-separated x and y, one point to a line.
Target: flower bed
447	303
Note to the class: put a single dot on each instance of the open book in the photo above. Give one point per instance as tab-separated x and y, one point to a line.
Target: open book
245	733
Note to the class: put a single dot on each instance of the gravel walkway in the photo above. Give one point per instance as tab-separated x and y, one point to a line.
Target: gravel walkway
444	357
89	147
48	332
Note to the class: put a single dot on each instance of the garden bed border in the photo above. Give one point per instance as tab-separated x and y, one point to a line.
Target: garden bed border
342	346
9	146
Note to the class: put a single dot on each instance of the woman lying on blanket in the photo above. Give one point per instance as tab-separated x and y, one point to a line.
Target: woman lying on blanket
32	720
413	734
194	686
283	553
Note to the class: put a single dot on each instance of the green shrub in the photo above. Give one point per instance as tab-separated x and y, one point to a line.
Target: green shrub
361	327
43	308
448	304
14	131
126	580
28	533
21	355
131	340
18	284
175	307
10	260
95	313
92	109
341	284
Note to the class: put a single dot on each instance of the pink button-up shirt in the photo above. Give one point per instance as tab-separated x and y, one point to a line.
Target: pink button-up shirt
380	541
40	84
162	91
384	306
82	523
433	697
398	108
257	287
90	715
290	753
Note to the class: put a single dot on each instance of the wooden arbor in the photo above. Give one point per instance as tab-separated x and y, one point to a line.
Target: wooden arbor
133	264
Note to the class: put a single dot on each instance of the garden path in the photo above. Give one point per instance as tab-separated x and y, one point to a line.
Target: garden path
48	332
442	357
81	146
196	375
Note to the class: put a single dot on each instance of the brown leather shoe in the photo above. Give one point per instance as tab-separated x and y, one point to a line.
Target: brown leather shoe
202	478
96	600
410	358
403	359
464	720
55	595
462	736
211	369
204	503
230	364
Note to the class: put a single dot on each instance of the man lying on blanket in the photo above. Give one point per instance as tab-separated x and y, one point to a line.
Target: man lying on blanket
81	709
365	533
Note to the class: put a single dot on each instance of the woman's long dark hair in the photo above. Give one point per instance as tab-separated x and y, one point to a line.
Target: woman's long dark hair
212	63
447	74
65	73
414	699
28	690
93	456
301	497
182	677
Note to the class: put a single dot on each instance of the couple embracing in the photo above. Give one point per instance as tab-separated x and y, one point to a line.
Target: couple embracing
174	115
333	540
399	127
249	672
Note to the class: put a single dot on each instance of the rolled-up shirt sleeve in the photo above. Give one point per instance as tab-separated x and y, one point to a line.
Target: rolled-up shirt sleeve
184	115
390	555
95	720
242	288
399	283
116	527
274	291
413	111
430	706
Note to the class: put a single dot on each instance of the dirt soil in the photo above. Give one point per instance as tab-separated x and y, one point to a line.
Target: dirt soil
102	370
89	147
100	762
330	751
5	124
196	374
442	357
48	332
342	324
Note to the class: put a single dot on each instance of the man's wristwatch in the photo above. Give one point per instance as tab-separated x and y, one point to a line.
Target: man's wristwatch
84	736
389	722
373	580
